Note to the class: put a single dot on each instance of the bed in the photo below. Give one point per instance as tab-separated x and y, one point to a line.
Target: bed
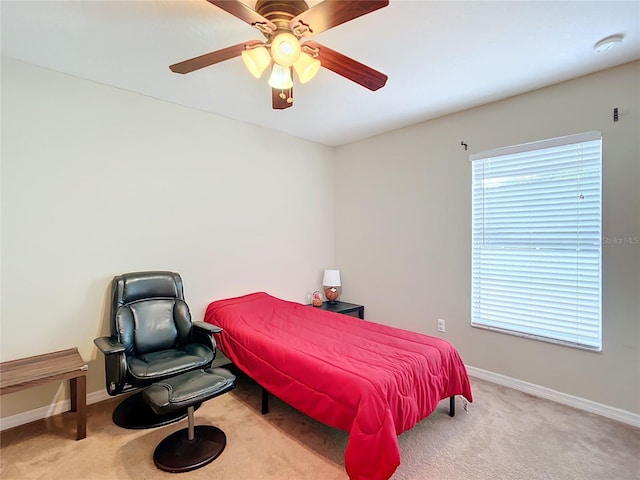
370	380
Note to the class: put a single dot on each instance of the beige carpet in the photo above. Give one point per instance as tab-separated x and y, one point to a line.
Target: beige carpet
506	435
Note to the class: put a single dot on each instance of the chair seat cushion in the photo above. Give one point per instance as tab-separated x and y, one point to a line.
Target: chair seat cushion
162	363
188	389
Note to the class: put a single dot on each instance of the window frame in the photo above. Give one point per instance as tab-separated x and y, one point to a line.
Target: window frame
511	153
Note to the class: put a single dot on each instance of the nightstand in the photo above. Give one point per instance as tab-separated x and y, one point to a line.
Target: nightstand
342	307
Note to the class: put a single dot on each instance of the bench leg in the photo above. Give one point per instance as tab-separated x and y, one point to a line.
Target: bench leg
78	392
452	406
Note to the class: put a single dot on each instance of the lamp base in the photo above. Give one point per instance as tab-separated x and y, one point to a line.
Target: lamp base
332	294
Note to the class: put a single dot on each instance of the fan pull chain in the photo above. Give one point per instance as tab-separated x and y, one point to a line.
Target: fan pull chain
287	95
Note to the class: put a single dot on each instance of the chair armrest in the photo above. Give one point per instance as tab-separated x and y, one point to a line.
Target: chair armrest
108	345
202	332
207	327
115	364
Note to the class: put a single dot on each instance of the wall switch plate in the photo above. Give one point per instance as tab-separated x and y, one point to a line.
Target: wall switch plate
441	325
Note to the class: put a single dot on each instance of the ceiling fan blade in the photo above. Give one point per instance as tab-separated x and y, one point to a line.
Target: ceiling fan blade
348	67
243	12
331	13
280	103
212	58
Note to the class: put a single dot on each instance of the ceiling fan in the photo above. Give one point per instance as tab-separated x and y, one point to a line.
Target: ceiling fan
284	23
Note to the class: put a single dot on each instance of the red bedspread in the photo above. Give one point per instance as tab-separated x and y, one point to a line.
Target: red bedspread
371	380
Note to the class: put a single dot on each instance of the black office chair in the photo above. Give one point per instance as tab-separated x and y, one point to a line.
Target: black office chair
152	339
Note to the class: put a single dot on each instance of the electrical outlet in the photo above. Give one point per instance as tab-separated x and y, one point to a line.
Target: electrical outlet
441	325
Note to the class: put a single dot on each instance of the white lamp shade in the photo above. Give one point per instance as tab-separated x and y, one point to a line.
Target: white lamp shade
256	60
331	278
285	49
280	77
306	67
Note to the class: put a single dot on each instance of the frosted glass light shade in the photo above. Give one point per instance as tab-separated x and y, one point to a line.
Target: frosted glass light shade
285	49
256	60
306	67
280	77
331	278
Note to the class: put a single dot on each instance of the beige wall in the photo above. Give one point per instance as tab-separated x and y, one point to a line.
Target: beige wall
97	181
403	237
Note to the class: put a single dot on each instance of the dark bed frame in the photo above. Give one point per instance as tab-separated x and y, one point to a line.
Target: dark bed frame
265	403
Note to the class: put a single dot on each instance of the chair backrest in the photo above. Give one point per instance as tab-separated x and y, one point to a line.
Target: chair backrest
148	311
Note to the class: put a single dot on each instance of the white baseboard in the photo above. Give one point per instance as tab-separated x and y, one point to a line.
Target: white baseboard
48	411
613	413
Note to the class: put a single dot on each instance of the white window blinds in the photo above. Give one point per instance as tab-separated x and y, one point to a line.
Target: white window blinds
536	253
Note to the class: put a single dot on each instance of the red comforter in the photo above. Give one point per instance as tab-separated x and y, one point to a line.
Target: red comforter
371	380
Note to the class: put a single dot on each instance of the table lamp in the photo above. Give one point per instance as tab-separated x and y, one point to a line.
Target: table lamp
330	282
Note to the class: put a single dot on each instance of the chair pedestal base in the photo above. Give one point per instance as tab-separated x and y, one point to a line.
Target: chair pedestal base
195	446
134	413
176	453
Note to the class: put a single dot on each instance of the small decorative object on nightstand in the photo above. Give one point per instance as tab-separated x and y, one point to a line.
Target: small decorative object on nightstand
331	282
316	299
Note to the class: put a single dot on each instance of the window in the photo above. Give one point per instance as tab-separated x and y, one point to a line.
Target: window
536	240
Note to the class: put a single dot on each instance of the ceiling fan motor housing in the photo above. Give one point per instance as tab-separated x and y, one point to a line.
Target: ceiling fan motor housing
280	12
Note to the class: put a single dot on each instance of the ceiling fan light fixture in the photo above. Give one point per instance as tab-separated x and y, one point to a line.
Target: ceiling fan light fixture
284	23
256	60
280	77
285	49
306	67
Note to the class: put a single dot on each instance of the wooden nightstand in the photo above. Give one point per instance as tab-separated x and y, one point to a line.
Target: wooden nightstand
343	307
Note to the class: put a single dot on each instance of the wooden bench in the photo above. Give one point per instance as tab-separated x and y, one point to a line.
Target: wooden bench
16	375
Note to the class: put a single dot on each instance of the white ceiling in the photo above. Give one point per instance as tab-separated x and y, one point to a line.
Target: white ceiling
440	56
